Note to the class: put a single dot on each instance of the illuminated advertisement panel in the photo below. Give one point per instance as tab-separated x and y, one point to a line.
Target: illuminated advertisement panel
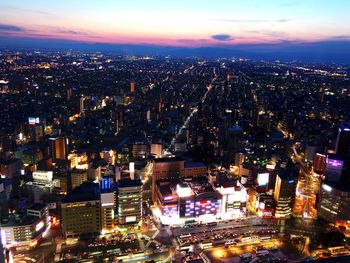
43	176
130	219
263	179
334	164
33	120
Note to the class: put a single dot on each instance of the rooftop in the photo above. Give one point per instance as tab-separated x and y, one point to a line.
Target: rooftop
87	191
129	183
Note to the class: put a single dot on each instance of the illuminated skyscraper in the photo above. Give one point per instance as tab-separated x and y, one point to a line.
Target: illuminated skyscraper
108	206
58	148
285	190
129	196
80	211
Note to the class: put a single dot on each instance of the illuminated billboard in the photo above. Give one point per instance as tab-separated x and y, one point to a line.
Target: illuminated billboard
33	120
130	219
334	164
43	176
263	179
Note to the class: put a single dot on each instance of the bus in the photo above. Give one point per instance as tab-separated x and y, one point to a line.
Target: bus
265	238
249	239
206	244
185	236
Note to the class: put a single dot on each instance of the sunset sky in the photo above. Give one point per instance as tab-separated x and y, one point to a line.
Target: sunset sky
177	23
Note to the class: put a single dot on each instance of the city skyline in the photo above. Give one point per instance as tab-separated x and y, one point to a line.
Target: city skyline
247	26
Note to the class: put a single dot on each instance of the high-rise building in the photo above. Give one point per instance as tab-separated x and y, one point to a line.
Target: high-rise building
342	147
157	149
129	198
108	207
58	148
337	169
80	211
284	193
78	177
334	203
140	149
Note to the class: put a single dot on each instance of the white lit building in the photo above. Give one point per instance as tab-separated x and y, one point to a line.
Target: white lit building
25	230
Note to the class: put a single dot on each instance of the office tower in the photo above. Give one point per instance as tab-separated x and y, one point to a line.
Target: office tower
157	149
343	140
81	105
80	211
108	207
58	148
78	177
129	198
140	149
132	87
284	193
